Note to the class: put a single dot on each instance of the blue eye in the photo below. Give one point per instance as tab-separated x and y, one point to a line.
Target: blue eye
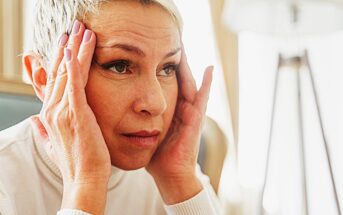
119	67
168	70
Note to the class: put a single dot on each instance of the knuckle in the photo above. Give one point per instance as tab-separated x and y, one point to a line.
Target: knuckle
58	119
50	112
75	41
71	43
62	115
47	114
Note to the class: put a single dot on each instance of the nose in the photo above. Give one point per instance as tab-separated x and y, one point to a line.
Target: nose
150	99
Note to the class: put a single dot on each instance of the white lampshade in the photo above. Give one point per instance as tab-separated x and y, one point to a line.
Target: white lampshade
284	16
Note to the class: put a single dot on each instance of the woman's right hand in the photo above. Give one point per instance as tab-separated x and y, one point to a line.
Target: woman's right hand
74	139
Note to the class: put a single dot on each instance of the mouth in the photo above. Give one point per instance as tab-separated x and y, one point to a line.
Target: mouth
143	139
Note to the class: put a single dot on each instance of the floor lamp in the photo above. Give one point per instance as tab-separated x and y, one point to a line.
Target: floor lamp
291	19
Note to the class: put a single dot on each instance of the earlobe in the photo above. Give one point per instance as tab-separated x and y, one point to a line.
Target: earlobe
36	72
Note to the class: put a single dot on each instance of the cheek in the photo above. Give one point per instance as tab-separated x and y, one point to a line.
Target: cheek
108	100
171	95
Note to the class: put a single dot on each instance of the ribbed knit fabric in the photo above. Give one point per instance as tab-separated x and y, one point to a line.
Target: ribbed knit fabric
198	205
72	212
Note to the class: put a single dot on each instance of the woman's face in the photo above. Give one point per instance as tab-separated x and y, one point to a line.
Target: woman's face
132	86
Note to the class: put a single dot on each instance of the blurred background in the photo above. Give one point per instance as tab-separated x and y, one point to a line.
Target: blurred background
273	140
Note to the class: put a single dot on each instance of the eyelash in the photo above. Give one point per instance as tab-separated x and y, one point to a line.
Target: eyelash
108	66
174	67
128	64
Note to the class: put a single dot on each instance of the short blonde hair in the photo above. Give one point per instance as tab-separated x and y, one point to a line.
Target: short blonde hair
52	18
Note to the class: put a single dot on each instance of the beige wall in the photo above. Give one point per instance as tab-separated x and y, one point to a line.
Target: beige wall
11	40
228	48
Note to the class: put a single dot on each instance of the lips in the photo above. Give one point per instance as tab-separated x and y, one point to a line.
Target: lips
143	133
142	138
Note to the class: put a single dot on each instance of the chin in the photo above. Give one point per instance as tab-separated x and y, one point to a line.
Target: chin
129	162
131	154
127	166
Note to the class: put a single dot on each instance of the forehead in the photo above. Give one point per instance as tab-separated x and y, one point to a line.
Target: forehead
130	20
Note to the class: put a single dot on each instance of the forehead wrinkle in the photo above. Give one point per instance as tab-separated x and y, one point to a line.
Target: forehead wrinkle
147	33
121	24
125	21
129	37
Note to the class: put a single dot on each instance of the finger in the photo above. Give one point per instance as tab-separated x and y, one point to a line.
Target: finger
86	53
75	37
55	66
204	91
60	83
75	90
74	42
186	81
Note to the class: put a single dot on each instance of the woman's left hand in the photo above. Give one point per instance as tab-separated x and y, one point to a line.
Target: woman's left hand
174	163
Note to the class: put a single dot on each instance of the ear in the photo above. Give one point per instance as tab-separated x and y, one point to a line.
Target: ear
33	65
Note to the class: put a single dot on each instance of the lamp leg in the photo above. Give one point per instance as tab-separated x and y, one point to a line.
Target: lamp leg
306	62
276	81
298	62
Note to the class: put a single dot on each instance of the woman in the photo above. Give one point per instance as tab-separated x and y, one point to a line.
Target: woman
118	95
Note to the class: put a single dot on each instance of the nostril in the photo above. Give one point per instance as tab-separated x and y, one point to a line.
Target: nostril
151	101
145	112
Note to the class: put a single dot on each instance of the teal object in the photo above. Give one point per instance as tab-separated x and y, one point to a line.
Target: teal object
15	108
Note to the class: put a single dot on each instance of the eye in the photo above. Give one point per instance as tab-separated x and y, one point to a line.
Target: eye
168	70
119	67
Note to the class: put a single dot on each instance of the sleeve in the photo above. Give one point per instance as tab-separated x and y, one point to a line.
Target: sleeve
71	212
204	203
200	204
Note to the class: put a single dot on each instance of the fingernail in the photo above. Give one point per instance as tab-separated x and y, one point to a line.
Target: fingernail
67	54
87	35
63	40
76	27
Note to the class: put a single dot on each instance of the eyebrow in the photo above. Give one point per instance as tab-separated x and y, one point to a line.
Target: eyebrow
136	50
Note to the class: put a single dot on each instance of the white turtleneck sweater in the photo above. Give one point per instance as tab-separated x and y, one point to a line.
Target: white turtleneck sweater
31	184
